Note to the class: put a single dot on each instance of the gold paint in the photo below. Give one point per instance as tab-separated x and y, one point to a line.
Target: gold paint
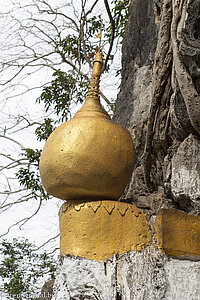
177	233
90	156
122	210
109	206
94	205
78	207
99	235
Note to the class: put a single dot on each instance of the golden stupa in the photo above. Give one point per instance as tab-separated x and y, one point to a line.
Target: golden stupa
89	156
88	162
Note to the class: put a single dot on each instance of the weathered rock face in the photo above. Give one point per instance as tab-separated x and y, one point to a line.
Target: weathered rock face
136	275
47	290
185	180
159	103
139	46
182	279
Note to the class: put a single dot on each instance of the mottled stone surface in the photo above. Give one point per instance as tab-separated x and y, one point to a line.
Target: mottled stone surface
47	290
147	275
190	42
141	275
174	152
185	178
183	279
139	46
79	278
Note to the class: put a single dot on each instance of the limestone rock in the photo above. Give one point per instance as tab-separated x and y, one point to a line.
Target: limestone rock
185	180
133	101
138	52
171	175
148	275
183	279
190	42
79	278
141	275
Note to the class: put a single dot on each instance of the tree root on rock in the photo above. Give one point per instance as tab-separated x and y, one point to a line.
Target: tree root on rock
185	82
171	79
161	73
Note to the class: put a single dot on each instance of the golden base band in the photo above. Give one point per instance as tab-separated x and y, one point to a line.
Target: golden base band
99	229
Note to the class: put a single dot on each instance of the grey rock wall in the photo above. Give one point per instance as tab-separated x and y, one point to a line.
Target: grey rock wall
147	275
139	47
174	155
185	179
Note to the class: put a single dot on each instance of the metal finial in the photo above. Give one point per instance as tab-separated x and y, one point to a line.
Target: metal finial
96	72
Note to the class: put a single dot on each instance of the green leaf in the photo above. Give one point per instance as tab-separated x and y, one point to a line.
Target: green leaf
21	269
65	89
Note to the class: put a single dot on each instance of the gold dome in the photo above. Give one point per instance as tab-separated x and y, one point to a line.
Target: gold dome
89	156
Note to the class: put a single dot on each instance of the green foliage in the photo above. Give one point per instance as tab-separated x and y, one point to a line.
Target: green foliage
33	156
62	90
44	130
22	269
29	176
94	25
70	47
120	15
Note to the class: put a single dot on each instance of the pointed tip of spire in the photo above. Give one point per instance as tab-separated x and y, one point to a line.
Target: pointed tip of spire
92	105
96	73
98	57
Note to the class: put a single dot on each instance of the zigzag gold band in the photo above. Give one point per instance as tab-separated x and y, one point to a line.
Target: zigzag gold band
100	229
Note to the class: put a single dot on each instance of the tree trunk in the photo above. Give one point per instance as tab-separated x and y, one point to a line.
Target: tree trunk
159	103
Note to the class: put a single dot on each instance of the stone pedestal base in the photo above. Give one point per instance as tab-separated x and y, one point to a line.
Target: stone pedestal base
108	251
148	274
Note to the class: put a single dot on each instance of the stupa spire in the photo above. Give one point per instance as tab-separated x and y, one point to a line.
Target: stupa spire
92	105
96	73
87	161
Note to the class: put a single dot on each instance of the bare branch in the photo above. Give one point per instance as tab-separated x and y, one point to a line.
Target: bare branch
19	201
13	140
59	13
14	164
112	23
25	220
92	7
45	243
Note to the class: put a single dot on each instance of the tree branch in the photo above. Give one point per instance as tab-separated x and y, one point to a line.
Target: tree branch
13	140
112	23
162	62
